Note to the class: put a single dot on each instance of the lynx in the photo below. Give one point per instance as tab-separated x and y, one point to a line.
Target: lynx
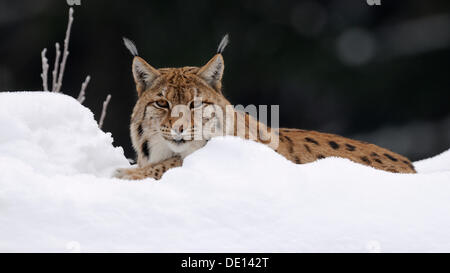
163	134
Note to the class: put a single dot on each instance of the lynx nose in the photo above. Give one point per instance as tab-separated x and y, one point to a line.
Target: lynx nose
178	130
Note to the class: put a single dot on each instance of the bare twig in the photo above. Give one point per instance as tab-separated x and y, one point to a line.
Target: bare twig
58	71
55	67
44	74
81	96
65	52
105	107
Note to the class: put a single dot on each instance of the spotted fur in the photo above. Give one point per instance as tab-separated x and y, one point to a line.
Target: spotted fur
162	141
329	145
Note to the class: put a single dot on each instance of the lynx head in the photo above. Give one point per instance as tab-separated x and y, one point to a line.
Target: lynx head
165	119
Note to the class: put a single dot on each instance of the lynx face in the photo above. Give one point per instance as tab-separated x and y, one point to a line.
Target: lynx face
174	107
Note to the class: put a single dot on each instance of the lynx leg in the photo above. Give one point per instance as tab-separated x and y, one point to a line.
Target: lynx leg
155	170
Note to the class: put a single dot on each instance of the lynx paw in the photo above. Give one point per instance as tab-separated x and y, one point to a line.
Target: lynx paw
136	174
129	174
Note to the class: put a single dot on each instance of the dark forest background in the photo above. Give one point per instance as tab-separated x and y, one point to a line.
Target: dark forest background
375	73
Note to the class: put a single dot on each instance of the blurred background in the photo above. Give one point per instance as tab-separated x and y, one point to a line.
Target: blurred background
375	73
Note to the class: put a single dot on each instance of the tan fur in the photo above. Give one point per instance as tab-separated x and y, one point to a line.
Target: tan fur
152	127
302	146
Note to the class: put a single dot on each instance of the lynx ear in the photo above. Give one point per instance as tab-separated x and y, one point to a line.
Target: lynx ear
144	74
212	72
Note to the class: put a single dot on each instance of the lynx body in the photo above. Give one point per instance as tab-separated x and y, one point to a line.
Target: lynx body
163	136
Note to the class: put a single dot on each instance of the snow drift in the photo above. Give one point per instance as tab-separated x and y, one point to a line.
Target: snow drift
56	194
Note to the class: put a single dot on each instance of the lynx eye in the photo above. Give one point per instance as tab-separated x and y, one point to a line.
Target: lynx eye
195	104
162	104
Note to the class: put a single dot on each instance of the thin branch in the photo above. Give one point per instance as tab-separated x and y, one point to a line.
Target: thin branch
55	67
44	74
65	52
105	107
81	96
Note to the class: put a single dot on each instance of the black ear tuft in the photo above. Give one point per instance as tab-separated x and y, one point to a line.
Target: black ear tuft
223	44
130	46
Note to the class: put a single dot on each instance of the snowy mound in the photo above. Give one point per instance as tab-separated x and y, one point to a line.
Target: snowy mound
233	195
436	164
53	134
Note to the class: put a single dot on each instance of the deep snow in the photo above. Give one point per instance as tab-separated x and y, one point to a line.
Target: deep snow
56	194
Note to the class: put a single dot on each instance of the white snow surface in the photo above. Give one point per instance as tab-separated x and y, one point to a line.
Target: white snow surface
56	194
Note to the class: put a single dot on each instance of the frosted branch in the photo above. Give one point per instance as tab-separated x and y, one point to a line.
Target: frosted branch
44	74
55	67
81	96
65	52
105	107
